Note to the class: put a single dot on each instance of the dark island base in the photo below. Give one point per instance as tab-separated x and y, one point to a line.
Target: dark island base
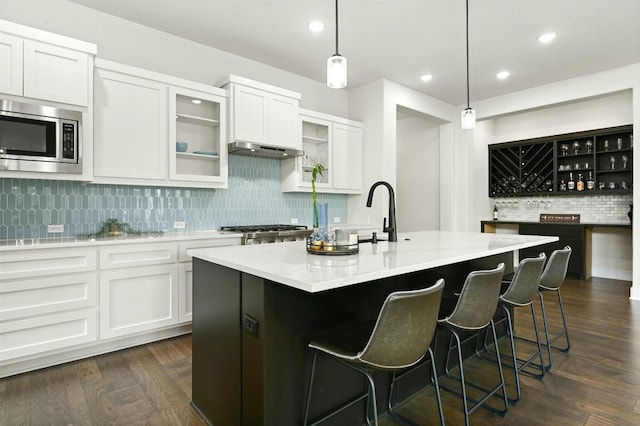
250	357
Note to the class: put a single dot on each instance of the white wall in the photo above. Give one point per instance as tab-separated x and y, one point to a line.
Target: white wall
418	172
125	42
376	106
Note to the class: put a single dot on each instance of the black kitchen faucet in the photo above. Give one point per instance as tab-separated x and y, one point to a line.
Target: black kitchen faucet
392	229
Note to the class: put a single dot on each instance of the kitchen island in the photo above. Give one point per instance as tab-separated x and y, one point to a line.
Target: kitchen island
255	308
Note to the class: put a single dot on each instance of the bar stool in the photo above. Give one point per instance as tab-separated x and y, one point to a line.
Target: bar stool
399	339
520	293
552	278
474	312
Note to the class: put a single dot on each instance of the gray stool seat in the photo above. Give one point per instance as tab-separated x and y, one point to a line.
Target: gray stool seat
399	338
473	313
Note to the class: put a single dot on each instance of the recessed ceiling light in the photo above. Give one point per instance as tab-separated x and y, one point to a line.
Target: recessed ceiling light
426	77
546	38
315	26
503	74
196	101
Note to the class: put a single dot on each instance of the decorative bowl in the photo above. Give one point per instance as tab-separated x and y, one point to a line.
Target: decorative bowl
181	146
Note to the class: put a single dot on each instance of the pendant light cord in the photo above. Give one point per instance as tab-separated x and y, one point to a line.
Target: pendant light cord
337	27
467	16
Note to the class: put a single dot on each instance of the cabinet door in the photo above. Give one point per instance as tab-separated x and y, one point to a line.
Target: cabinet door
249	114
134	300
130	127
347	151
185	292
10	65
55	73
283	122
202	126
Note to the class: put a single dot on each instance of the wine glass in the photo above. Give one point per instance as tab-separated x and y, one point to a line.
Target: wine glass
612	161
564	148
624	161
589	144
576	147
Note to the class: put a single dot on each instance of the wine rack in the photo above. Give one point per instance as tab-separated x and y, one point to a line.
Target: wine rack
521	169
540	165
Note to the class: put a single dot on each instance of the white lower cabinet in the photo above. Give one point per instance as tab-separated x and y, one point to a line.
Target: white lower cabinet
185	284
133	300
48	301
45	333
185	292
64	303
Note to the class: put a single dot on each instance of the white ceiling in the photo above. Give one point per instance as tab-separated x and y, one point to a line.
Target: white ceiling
401	39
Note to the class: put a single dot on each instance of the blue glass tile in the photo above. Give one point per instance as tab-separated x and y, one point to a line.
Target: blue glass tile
254	196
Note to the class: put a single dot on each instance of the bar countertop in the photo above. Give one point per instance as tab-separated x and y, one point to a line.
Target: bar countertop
289	264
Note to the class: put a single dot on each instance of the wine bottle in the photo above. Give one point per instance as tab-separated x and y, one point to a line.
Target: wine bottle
580	183
590	182
563	185
495	212
571	184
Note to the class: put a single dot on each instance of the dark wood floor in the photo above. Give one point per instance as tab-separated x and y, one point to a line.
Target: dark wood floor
596	383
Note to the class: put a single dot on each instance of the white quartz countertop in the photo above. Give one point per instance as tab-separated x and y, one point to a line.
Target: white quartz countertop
288	263
34	243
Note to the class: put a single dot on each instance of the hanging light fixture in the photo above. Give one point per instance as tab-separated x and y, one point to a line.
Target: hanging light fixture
337	65
468	115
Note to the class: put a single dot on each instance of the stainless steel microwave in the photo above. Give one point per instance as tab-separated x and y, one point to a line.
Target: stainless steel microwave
38	138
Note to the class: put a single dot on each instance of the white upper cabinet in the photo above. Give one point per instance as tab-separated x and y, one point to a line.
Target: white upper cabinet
10	64
334	142
139	116
263	114
130	127
41	65
347	157
56	74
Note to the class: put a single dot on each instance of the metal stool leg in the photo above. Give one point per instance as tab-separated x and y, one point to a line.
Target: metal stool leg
434	382
308	402
565	330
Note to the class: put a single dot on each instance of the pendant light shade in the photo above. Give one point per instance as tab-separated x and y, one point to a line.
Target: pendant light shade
337	72
468	115
468	118
337	65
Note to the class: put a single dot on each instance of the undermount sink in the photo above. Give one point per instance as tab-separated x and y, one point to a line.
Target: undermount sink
369	240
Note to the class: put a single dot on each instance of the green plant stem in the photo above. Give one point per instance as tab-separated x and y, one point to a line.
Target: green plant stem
317	169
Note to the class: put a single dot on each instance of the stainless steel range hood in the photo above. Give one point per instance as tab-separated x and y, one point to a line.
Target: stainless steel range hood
257	150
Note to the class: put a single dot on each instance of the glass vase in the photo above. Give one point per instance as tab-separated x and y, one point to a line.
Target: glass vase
320	223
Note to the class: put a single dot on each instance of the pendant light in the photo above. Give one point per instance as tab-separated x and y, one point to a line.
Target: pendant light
468	115
337	65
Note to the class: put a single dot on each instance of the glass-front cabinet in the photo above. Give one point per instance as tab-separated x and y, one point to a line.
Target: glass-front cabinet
196	136
316	134
336	143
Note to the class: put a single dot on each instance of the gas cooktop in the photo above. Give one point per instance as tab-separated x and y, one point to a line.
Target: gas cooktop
263	228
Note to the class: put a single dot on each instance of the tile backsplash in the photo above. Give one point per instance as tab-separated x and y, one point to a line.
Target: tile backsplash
27	206
611	208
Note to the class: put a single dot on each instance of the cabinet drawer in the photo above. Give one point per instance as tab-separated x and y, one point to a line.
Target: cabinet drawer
125	255
45	333
46	262
21	299
218	242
